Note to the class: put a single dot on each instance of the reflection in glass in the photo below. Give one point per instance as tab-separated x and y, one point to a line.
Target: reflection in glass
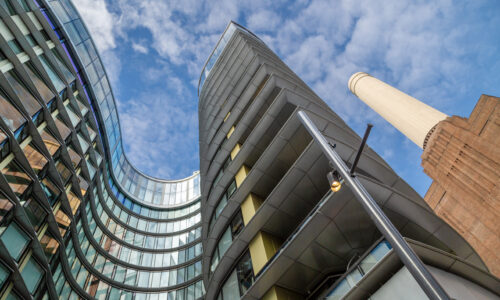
50	142
84	186
15	240
75	158
63	129
74	201
62	67
230	288
36	160
5	206
63	171
9	113
81	106
54	78
49	245
50	190
63	221
36	214
32	274
44	91
4	274
245	273
18	180
72	116
29	102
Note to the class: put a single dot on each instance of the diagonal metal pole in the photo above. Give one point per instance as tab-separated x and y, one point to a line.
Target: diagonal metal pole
409	258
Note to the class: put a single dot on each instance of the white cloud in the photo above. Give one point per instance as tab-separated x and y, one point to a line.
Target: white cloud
102	25
99	21
140	48
419	47
264	20
160	141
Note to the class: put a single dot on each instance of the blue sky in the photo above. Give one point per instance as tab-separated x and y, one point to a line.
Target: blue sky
445	53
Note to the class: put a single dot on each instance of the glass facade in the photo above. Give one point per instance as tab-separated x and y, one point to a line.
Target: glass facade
77	220
343	286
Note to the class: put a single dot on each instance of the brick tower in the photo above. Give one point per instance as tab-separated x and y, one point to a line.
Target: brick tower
461	155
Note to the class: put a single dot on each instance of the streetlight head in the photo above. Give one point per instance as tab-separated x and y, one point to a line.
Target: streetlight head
334	180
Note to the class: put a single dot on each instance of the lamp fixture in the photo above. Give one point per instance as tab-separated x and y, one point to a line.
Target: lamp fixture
335	180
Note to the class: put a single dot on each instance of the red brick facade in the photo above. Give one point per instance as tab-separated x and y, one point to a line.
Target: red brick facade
462	156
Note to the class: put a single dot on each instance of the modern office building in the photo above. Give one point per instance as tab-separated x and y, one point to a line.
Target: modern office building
77	220
273	228
258	222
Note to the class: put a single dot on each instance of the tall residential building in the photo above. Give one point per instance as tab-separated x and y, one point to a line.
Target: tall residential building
77	220
271	226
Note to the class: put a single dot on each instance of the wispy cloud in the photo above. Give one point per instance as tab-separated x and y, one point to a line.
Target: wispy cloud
441	52
154	139
139	48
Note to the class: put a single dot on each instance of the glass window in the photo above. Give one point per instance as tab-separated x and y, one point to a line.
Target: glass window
75	158
236	224
102	291
50	142
4	145
24	5
17	179
375	256
63	129
4	274
63	171
143	280
84	144
14	45
62	67
130	277
49	245
74	201
225	242
15	240
245	273
29	102
230	289
72	116
8	7
231	189
36	214
32	274
42	88
84	110
36	160
51	190
63	221
5	206
340	290
54	78
10	114
120	273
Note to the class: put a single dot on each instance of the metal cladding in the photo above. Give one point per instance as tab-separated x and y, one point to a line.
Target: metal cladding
271	226
77	220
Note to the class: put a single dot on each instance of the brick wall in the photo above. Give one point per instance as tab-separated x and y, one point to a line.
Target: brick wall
462	156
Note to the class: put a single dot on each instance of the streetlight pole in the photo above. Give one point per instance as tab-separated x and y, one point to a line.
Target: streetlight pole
409	258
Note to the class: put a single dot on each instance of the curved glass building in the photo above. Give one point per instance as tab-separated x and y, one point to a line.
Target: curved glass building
77	219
